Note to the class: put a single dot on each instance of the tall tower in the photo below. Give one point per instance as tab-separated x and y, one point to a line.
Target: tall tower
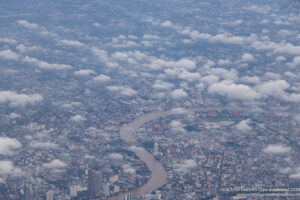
49	195
155	150
27	191
94	182
127	197
91	183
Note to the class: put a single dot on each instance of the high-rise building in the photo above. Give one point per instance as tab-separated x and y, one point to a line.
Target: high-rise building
49	195
27	191
127	197
155	150
73	191
94	183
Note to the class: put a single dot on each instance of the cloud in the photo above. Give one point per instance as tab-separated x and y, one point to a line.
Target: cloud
167	23
54	164
120	56
14	99
14	115
97	25
237	22
72	43
273	88
210	79
84	72
101	78
101	54
189	76
125	91
280	58
233	91
243	125
296	62
9	55
160	85
223	38
247	57
276	149
224	73
27	24
43	145
116	156
8	41
6	167
8	145
251	79
77	118
296	173
178	94
45	65
271	75
185	63
287	49
224	62
259	9
176	126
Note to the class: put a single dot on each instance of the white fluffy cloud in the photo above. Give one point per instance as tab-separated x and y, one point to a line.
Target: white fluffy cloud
167	23
160	85
243	125
247	57
251	79
178	94
77	118
276	149
101	54
177	126
189	76
6	167
73	43
274	88
14	99
233	91
45	65
84	72
8	145
54	164
115	156
27	24
101	78
8	41
9	55
125	91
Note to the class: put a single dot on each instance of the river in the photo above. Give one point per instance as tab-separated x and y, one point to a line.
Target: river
158	173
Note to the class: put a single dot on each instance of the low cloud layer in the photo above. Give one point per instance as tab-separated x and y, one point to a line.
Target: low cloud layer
125	91
115	156
44	65
276	149
77	118
54	164
243	125
8	145
14	99
84	72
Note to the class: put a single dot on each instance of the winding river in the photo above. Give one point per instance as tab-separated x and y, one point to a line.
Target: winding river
158	173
